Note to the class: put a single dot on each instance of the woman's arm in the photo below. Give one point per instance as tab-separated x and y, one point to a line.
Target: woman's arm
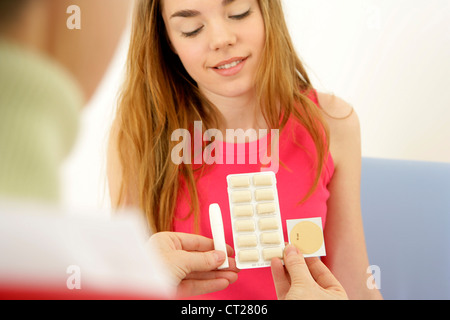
344	234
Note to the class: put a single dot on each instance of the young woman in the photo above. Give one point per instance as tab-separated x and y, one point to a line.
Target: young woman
230	64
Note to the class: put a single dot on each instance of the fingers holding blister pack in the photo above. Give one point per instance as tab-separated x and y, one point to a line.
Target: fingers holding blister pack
255	218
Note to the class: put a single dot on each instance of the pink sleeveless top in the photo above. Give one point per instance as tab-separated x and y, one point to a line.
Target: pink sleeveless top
295	177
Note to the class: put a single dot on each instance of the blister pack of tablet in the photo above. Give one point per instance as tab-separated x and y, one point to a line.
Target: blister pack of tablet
256	220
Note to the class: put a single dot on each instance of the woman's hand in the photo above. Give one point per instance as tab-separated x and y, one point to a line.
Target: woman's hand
304	280
193	262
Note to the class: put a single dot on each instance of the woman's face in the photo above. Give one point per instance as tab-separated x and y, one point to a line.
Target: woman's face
219	42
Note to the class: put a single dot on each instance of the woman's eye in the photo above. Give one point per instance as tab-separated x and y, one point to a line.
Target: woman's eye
241	16
193	33
197	31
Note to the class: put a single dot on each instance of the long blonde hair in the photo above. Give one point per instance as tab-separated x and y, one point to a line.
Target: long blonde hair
159	96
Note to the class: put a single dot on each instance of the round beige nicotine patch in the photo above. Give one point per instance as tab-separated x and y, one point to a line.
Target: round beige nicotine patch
307	237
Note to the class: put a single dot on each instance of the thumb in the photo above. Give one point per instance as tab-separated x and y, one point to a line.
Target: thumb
322	274
296	266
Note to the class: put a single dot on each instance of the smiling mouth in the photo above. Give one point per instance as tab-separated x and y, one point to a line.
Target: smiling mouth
230	65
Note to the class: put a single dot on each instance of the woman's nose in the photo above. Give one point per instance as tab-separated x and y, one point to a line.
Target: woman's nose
221	36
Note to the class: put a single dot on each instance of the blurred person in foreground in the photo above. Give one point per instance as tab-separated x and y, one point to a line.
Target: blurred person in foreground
47	74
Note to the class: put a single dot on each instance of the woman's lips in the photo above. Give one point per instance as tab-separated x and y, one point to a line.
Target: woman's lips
230	67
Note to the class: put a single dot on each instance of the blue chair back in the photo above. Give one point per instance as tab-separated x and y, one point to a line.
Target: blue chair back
406	215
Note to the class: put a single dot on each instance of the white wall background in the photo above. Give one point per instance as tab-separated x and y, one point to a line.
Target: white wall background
390	59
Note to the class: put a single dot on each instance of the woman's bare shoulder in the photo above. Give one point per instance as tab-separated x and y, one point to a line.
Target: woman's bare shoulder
336	108
343	122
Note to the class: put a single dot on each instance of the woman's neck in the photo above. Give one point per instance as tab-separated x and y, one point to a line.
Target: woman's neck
240	112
